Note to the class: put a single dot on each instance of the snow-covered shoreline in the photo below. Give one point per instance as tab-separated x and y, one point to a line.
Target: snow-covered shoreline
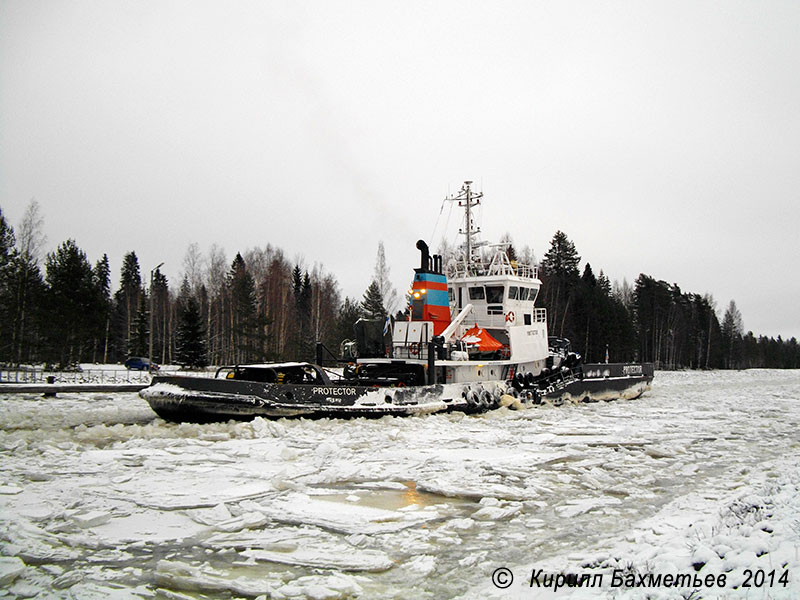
744	545
98	498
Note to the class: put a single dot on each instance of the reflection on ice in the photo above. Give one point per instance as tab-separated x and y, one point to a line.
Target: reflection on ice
99	499
296	508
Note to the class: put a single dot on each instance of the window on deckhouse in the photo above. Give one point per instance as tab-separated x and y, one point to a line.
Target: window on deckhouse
494	294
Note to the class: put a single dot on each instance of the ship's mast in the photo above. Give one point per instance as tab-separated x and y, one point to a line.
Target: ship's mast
467	199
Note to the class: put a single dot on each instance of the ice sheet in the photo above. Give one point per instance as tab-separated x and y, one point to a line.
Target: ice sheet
99	498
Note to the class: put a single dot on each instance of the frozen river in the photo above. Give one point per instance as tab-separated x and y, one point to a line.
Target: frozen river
100	499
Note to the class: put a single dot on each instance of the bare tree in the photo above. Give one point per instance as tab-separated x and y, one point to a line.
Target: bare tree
217	324
30	235
27	278
193	266
387	290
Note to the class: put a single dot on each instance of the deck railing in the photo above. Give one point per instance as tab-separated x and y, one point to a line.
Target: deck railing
105	376
499	321
493	265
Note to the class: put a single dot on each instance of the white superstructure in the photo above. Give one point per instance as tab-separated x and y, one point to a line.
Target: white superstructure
487	293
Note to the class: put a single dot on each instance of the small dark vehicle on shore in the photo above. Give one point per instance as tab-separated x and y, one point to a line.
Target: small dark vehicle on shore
138	363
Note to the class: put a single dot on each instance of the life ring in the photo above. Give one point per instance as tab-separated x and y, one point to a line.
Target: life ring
413	348
510	316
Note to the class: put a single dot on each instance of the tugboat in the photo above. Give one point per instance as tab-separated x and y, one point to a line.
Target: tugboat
474	341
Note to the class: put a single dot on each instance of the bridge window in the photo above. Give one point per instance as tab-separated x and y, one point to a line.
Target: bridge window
476	293
494	294
513	292
523	293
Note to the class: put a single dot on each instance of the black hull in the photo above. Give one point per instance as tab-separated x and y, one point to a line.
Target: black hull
603	382
203	400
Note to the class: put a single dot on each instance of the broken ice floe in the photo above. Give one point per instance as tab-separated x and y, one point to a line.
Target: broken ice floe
698	472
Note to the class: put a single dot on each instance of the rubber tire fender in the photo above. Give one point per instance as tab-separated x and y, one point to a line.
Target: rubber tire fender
519	381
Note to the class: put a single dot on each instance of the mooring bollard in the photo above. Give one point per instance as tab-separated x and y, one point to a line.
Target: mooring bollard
51	379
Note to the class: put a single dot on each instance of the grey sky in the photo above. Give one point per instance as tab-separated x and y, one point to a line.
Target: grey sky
662	137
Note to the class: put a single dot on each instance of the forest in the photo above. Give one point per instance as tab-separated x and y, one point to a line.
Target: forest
61	310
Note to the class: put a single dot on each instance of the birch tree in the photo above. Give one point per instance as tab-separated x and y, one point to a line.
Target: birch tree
387	291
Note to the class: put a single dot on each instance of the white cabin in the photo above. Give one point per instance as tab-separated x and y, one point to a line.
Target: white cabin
503	295
484	289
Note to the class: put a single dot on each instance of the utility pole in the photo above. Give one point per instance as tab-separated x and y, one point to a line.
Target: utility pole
152	272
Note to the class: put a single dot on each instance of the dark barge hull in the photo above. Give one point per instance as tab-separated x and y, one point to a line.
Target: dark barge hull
603	382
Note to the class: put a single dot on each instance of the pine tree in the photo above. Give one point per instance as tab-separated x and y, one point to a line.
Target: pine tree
349	313
28	285
600	322
562	259
732	332
126	305
560	274
246	324
372	304
7	260
652	301
101	284
301	335
160	308
70	297
305	295
585	314
190	347
511	252
140	338
604	283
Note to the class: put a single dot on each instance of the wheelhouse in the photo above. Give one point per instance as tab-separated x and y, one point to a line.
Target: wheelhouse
500	302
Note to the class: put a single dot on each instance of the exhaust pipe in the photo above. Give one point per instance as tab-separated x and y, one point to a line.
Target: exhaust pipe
426	256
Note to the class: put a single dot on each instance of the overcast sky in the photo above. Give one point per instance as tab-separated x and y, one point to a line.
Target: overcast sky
662	137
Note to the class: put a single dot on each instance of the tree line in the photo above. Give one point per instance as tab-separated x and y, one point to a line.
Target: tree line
650	321
260	306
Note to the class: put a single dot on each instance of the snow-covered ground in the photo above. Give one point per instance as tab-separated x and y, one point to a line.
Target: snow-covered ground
701	477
